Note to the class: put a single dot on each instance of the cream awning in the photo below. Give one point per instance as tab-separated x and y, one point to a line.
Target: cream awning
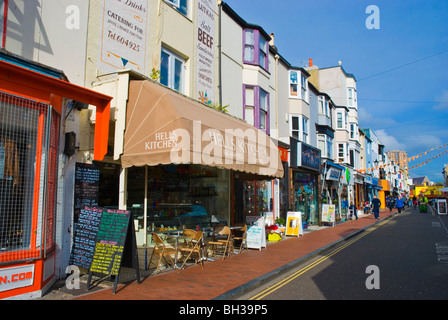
164	127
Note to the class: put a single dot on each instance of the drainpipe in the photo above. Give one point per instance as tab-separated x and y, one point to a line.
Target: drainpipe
220	53
5	22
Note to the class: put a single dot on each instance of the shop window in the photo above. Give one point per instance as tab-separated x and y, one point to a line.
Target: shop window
305	196
172	71
257	197
178	196
29	138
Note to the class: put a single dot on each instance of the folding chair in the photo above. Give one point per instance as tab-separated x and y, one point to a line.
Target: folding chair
161	250
243	238
223	245
195	246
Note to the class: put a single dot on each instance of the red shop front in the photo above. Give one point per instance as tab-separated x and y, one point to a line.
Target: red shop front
31	111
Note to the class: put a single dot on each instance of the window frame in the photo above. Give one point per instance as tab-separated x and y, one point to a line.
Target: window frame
257	109
302	122
171	70
176	4
257	36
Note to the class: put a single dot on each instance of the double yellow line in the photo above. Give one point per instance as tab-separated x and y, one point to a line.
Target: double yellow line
298	273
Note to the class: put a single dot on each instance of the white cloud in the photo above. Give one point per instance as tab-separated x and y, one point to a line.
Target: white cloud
443	98
390	142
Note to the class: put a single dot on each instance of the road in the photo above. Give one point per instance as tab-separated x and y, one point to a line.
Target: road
404	257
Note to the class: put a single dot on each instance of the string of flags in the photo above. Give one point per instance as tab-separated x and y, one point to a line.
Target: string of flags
403	162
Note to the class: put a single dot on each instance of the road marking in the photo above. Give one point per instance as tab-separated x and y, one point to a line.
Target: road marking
298	273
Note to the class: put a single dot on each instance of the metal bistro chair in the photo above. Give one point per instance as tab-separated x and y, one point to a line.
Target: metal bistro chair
221	245
161	250
194	246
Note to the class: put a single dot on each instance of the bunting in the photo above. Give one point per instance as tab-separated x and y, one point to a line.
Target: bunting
403	162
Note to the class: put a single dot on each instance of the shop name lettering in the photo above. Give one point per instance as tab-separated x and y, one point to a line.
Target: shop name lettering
16	277
233	145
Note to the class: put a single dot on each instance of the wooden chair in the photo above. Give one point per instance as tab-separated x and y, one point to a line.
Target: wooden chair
243	238
161	250
194	246
221	245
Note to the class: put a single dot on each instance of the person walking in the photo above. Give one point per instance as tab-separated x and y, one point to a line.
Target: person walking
376	204
353	210
399	204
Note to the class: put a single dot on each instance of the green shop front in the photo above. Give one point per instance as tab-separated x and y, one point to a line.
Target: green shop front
305	180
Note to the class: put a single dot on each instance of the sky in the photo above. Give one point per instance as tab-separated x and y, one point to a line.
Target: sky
401	65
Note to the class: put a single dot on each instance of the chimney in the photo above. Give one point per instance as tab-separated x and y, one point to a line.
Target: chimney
310	63
271	43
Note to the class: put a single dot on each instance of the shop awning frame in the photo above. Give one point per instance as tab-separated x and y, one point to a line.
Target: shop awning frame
165	127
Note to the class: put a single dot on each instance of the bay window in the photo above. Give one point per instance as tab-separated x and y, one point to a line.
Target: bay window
256	107
256	48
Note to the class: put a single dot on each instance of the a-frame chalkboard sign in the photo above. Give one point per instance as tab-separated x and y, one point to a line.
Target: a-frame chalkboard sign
104	241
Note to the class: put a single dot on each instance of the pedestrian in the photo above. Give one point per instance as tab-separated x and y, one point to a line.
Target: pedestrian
390	203
415	202
399	204
376	204
353	210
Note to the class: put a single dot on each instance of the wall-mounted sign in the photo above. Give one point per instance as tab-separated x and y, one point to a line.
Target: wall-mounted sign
16	277
304	155
205	54
123	35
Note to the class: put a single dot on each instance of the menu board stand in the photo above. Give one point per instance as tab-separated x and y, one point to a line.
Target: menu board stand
129	259
104	241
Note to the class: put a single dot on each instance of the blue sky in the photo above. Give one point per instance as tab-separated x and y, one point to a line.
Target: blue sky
401	68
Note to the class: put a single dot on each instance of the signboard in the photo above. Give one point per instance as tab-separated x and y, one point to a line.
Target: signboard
328	213
87	184
110	241
16	277
304	155
294	224
104	240
205	54
441	207
123	34
84	236
256	233
333	174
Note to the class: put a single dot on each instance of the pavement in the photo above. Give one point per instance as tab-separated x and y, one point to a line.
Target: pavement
227	279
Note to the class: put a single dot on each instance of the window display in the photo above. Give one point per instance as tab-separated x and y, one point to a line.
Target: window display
179	196
305	196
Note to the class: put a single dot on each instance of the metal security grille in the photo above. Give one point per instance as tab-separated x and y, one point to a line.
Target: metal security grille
27	178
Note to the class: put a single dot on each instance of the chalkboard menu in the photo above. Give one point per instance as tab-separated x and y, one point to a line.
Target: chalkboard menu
87	184
110	242
85	234
102	238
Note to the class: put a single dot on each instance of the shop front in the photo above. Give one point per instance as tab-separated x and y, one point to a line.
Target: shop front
31	116
181	160
305	181
331	188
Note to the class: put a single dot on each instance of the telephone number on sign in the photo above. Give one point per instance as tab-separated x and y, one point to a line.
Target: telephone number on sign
124	41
